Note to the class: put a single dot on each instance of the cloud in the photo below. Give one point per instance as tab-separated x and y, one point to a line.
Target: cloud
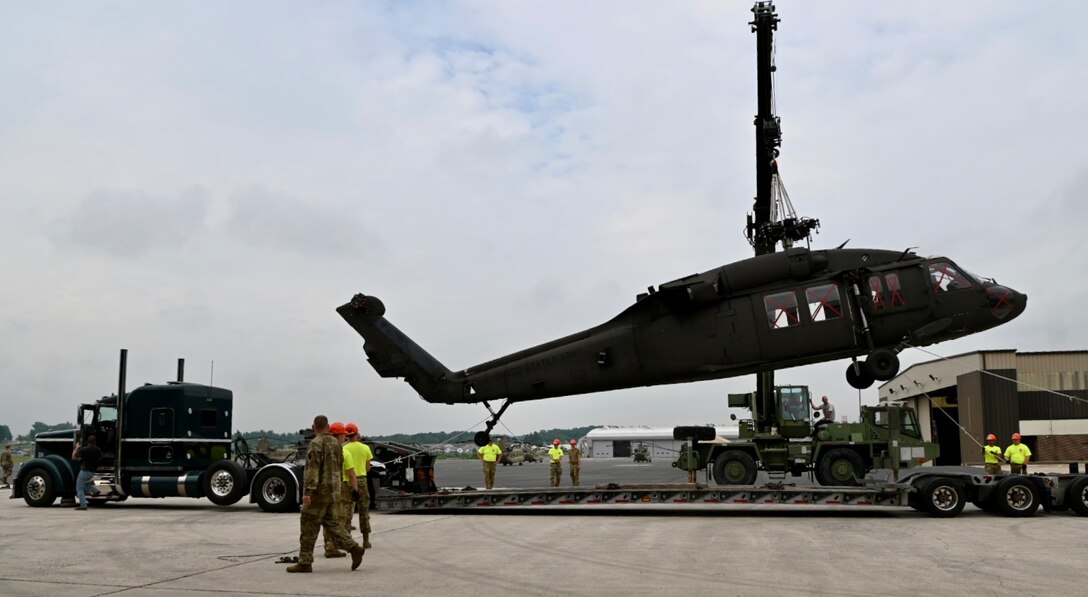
132	224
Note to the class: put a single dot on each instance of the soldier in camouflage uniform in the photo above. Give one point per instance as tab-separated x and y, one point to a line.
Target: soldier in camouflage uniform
345	505
324	470
575	456
7	463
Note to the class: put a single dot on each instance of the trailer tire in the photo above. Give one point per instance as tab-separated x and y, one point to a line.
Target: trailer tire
277	491
943	498
1077	496
840	466
38	490
1016	496
224	482
734	467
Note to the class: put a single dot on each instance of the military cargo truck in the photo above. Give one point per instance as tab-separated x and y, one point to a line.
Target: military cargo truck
783	439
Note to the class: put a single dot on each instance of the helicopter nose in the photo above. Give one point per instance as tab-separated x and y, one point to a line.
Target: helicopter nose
1005	303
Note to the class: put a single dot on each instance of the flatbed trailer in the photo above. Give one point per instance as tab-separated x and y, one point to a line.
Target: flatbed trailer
939	491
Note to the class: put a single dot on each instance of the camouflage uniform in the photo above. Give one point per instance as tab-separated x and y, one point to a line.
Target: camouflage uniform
556	455
575	456
7	463
345	505
324	470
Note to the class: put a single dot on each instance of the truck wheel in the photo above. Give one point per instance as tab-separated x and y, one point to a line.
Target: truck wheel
1077	496
277	491
38	488
943	498
840	466
1016	496
224	482
733	467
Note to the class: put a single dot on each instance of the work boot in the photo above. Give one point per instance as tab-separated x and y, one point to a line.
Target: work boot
366	542
357	556
300	568
335	554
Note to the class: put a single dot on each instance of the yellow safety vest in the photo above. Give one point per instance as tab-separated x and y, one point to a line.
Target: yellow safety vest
361	454
992	452
1017	453
490	452
556	454
349	464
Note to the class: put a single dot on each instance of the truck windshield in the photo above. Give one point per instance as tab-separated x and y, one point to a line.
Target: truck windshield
107	413
793	403
907	418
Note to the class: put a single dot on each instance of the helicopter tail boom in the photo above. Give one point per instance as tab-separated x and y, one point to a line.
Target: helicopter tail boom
394	354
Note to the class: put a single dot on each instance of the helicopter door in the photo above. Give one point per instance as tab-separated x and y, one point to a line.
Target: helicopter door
804	321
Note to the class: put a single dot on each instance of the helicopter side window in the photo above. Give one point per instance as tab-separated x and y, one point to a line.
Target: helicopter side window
945	277
876	292
782	310
823	302
895	291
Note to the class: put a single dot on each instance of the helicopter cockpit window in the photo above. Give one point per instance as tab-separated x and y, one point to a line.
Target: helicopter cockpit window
823	302
782	310
945	277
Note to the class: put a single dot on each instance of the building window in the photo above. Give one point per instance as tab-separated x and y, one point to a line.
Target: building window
782	310
823	302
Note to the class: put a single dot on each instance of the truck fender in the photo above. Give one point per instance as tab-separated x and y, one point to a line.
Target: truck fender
64	479
296	471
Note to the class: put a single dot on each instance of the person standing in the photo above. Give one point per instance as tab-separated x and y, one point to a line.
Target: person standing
89	456
345	503
361	455
8	464
491	455
556	455
575	463
1018	455
992	452
324	471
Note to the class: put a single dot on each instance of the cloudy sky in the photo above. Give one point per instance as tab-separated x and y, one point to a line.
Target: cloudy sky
211	180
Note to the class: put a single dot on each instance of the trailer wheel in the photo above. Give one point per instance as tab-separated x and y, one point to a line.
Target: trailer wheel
38	488
734	467
1016	496
277	491
1077	496
943	498
840	466
224	482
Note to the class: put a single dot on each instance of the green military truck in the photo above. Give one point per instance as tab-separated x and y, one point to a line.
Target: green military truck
781	438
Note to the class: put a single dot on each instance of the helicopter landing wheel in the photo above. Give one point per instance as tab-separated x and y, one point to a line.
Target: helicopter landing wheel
883	363
859	375
482	438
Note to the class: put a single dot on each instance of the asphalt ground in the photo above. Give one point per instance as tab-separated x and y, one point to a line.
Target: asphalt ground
178	546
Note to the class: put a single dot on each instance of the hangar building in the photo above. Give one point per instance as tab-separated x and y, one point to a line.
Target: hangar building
1041	395
619	442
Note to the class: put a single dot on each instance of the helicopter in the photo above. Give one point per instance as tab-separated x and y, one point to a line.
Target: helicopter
768	312
775	310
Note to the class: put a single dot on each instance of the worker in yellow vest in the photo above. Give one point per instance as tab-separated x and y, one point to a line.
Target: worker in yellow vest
1018	455
490	454
556	454
992	451
361	455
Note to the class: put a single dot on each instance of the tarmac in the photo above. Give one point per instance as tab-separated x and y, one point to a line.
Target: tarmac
178	546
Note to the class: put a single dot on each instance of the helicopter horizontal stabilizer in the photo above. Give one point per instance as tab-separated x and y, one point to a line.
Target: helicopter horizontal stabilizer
393	354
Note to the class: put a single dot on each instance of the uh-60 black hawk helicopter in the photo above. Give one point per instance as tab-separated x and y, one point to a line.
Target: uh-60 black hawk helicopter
776	310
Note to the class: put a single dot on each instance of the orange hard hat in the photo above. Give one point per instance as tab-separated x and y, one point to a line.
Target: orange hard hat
352	429
574	442
991	438
337	428
556	442
1016	436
